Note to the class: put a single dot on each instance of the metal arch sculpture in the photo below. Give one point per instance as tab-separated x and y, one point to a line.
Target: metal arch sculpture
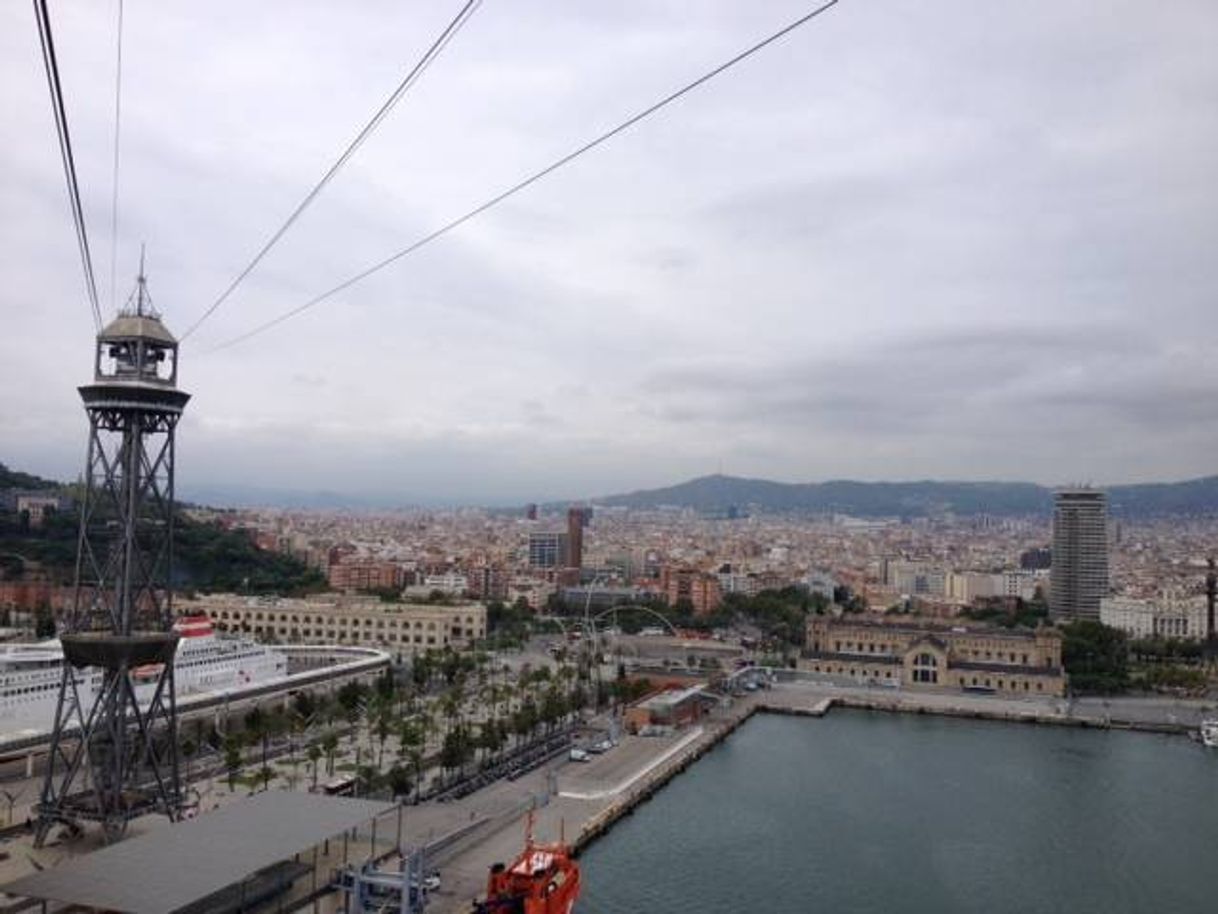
635	607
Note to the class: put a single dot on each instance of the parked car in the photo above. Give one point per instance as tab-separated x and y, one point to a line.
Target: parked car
431	882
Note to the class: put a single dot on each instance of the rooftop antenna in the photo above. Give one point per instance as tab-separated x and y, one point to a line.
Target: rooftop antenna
143	300
141	285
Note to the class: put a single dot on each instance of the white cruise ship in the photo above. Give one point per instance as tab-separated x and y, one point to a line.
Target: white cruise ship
30	674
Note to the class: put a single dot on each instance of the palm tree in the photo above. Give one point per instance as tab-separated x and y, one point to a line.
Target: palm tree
368	778
426	722
329	743
492	737
314	752
261	726
383	722
450	704
457	749
232	759
188	748
553	708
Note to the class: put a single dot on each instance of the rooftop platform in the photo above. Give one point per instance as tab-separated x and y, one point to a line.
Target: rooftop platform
177	867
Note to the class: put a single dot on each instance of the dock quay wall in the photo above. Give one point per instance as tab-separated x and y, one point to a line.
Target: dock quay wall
599	824
1030	715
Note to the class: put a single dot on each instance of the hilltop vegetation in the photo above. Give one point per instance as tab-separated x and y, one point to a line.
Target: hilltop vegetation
14	479
207	557
211	559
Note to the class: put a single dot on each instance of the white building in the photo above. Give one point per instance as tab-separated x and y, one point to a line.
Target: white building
916	578
966	586
452	582
821	582
1159	617
1016	582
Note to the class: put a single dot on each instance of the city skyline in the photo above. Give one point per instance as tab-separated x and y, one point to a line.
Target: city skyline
841	260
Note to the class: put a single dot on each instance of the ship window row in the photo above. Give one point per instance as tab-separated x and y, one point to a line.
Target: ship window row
29	690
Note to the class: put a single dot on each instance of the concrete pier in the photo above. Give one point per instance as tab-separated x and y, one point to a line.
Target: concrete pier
590	797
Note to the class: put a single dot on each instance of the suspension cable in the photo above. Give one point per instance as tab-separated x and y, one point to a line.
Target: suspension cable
118	113
526	182
65	153
462	17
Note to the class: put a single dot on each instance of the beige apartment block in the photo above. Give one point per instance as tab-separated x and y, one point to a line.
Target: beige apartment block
874	650
334	619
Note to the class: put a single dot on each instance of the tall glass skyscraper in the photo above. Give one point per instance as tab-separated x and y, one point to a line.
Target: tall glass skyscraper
1078	577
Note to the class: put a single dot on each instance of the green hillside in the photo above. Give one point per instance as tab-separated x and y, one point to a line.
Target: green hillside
12	479
206	556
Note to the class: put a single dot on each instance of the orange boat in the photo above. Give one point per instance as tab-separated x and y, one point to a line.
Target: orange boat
544	879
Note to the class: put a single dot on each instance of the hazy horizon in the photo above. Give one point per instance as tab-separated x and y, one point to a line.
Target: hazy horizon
331	497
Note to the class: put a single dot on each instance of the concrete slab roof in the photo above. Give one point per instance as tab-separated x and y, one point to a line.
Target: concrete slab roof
170	868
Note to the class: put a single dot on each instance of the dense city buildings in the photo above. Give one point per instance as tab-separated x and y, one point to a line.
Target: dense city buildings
920	654
933	566
549	549
364	575
698	589
1079	574
487	582
1036	559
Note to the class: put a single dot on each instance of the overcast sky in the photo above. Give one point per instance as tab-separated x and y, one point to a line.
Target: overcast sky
914	239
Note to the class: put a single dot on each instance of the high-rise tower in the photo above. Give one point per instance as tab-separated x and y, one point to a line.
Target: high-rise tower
1211	597
114	745
1078	576
576	521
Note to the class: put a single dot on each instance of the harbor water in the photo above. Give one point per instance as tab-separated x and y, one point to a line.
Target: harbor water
871	812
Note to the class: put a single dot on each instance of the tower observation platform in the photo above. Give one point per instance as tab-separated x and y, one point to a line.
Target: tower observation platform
113	758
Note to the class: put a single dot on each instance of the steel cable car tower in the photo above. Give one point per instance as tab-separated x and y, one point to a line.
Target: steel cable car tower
113	753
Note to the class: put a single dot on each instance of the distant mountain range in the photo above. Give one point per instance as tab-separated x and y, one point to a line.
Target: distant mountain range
914	499
718	493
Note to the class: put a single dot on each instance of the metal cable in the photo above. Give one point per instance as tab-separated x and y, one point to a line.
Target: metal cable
532	179
118	112
65	153
411	78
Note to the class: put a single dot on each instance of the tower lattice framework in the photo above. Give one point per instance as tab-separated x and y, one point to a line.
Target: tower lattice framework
114	750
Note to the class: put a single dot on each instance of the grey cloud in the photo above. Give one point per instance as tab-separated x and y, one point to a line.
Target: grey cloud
981	380
936	238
